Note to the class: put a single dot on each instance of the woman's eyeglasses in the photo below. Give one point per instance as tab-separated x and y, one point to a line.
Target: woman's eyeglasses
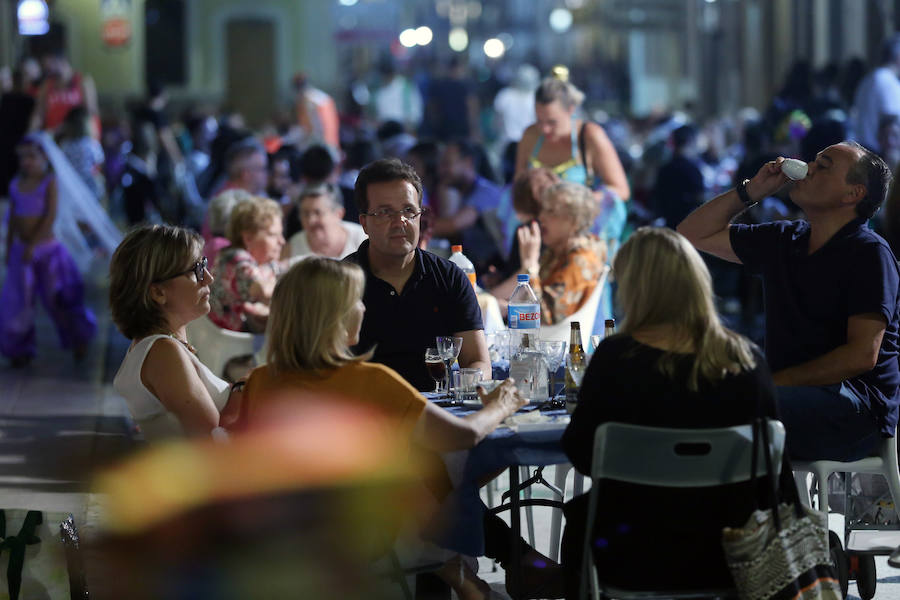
199	271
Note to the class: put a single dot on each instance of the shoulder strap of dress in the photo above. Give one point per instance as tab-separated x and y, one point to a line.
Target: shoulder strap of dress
583	154
537	146
576	139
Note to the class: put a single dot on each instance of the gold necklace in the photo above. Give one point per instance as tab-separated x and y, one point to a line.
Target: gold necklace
185	343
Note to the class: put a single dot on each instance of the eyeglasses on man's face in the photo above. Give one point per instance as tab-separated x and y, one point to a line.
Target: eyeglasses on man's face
199	271
387	214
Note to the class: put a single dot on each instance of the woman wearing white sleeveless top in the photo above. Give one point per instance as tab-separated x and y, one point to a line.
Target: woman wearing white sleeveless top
159	283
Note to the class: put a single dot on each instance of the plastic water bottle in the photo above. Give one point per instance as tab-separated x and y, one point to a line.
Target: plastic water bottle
526	362
459	259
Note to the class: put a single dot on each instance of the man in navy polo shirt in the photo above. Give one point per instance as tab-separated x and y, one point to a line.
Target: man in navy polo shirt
411	296
831	298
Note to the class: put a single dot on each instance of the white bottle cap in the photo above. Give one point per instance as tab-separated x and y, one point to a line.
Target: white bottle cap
794	169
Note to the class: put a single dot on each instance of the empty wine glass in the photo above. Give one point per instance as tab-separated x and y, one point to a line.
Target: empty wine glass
449	347
436	367
553	351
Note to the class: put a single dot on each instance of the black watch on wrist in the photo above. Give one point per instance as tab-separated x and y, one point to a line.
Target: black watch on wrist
744	195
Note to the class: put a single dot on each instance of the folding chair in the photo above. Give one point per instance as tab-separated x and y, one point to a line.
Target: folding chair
663	457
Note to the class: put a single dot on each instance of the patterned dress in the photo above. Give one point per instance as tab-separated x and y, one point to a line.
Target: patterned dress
565	281
235	272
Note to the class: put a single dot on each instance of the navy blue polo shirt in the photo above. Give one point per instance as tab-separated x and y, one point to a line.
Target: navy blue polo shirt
809	297
438	299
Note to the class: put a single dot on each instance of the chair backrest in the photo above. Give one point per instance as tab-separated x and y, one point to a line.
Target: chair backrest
667	457
215	345
584	315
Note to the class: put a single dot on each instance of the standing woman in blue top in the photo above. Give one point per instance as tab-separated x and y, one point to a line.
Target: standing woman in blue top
576	150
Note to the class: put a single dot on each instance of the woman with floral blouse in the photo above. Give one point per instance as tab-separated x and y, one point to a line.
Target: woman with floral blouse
245	272
565	274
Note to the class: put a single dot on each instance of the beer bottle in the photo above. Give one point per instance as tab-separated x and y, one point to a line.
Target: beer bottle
609	328
577	357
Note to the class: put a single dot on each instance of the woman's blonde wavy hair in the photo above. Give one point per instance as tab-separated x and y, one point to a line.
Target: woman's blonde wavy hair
309	315
663	281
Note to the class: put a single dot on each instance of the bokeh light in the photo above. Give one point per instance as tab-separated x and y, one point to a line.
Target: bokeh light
494	48
408	37
458	39
424	35
560	20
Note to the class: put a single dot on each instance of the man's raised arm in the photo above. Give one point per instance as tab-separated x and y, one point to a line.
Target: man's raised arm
707	226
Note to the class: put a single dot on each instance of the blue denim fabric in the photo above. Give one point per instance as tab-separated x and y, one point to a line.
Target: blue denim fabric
826	422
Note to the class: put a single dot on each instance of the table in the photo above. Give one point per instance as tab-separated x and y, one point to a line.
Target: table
504	448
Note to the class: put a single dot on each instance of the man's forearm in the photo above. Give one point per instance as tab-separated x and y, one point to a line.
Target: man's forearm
841	363
484	365
711	218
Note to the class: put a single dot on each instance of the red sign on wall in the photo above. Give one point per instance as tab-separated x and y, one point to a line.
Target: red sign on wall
115	22
116	32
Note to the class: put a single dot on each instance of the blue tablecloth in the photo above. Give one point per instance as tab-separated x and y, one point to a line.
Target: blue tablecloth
463	511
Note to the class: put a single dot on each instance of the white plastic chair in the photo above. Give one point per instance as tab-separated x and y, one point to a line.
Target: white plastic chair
490	312
584	315
653	456
885	464
216	346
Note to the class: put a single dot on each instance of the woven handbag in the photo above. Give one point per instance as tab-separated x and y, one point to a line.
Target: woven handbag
780	554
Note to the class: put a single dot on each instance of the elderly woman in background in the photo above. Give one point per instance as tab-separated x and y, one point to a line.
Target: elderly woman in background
565	274
324	233
245	272
219	211
158	284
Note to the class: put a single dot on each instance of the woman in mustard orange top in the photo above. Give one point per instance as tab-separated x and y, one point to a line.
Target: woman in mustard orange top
315	316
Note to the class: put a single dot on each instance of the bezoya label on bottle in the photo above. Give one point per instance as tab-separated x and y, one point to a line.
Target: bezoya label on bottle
524	316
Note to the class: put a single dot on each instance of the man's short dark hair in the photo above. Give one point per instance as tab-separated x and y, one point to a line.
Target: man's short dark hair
316	163
384	171
890	49
466	149
239	152
872	172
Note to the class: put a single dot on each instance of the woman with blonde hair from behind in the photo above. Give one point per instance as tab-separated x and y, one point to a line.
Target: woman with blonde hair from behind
672	364
315	317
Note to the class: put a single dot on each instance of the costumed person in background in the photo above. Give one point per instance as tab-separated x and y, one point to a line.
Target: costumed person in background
39	265
62	90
